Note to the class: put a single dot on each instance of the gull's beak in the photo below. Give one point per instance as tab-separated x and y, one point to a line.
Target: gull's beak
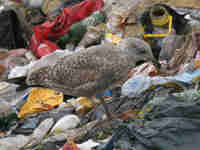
156	63
153	60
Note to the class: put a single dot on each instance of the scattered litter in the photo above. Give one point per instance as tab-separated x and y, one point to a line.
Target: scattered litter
18	71
82	105
61	24
65	123
40	100
151	101
88	145
16	142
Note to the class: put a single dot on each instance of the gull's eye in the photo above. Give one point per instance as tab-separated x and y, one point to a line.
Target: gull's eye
141	51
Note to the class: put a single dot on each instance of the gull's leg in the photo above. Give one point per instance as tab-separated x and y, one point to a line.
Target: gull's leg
197	85
106	108
93	101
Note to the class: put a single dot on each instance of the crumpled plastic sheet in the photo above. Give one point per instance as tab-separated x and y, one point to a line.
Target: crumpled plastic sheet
140	83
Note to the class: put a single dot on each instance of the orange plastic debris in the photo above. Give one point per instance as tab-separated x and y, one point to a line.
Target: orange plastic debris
129	114
1	134
197	63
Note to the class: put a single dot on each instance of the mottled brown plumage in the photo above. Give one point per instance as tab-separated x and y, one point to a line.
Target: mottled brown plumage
94	70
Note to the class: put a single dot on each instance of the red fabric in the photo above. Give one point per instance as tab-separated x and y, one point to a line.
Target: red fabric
69	147
45	48
61	24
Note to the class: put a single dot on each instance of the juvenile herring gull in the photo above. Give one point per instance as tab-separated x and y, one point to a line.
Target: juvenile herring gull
94	70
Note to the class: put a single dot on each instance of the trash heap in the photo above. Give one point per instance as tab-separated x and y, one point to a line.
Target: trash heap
156	108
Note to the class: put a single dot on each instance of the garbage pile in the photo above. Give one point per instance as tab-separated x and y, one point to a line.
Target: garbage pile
46	105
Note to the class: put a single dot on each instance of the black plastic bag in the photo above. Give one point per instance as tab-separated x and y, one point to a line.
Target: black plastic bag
11	34
172	124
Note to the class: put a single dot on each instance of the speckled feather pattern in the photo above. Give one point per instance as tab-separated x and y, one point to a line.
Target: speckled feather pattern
87	72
